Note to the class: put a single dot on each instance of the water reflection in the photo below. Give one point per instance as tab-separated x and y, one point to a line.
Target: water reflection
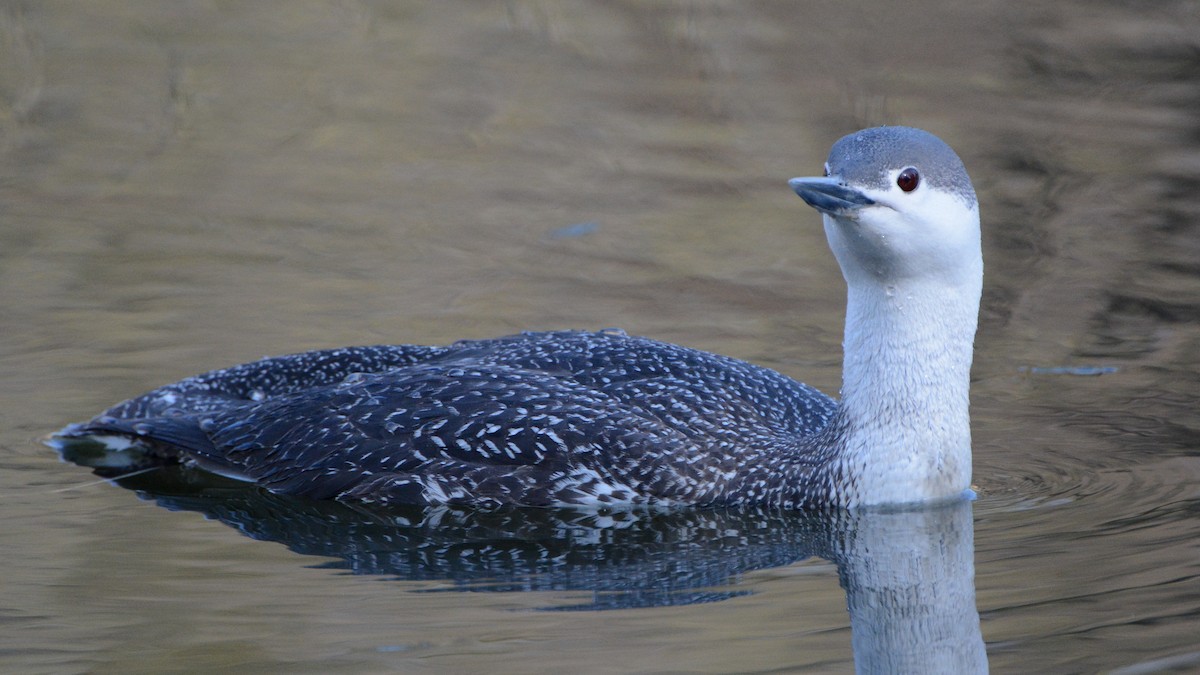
908	574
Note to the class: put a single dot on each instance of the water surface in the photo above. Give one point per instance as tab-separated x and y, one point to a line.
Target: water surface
187	186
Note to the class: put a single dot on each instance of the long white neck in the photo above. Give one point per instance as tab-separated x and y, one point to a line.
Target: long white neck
904	424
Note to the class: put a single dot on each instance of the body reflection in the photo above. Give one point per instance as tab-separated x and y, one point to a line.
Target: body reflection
908	574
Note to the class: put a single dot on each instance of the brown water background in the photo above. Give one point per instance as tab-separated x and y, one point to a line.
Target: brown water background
188	185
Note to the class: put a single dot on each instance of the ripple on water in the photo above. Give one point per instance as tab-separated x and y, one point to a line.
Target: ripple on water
1055	480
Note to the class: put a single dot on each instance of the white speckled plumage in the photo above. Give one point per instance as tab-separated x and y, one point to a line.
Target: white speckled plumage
605	419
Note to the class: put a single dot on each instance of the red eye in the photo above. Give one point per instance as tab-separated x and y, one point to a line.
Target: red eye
909	179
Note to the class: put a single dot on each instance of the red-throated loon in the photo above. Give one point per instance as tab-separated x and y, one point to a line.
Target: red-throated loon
606	419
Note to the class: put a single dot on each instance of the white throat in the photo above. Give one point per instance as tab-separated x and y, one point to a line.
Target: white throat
904	420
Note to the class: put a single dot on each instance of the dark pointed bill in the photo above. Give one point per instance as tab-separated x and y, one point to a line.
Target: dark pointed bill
829	196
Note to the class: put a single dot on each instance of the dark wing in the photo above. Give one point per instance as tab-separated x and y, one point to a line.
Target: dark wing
536	418
461	433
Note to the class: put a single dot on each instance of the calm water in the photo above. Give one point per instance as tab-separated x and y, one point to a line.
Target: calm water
190	185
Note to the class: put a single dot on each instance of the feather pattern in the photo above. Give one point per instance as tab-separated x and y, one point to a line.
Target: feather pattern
539	419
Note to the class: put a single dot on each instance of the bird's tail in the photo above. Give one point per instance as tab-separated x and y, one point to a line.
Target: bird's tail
116	444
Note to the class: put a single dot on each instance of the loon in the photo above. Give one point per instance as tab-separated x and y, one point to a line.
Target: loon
604	419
